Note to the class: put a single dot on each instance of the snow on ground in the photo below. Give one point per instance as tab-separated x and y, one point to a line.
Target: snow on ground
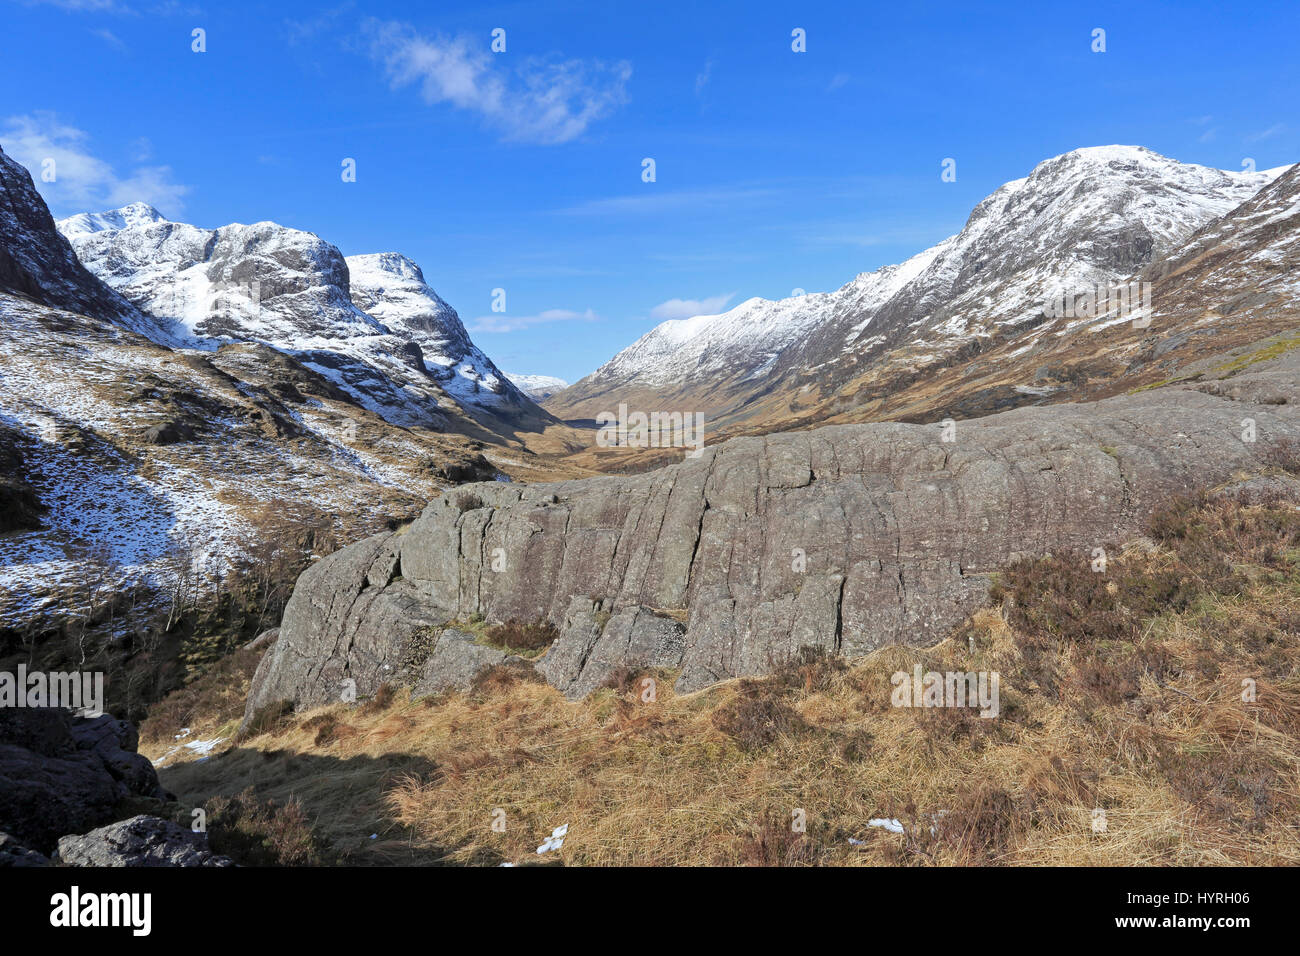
122	511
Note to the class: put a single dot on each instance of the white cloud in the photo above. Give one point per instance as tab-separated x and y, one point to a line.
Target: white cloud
702	78
83	182
501	322
535	100
93	6
687	308
111	38
656	201
838	80
165	8
1266	134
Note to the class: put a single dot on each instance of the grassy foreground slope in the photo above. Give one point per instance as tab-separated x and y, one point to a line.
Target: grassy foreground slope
1164	691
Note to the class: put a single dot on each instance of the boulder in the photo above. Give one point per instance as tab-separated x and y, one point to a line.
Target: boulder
455	661
13	853
171	432
63	774
140	841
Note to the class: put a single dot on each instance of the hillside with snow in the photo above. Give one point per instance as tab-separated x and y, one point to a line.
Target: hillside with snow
1086	218
223	397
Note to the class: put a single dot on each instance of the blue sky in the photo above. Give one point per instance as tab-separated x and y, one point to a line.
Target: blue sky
522	170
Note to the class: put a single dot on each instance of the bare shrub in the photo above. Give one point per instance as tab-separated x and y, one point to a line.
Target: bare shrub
757	717
518	636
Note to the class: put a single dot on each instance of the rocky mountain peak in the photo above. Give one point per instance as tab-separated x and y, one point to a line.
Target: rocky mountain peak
391	287
391	262
370	324
132	214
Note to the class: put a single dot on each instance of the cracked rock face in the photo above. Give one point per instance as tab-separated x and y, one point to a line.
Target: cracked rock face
848	537
37	262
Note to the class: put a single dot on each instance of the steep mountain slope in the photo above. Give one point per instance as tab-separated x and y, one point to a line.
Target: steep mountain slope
37	262
292	290
391	288
1088	217
1226	298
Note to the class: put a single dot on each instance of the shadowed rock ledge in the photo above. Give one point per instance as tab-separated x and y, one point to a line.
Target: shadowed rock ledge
848	537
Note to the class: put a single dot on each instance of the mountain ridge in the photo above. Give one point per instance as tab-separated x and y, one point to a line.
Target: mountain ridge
1085	217
290	289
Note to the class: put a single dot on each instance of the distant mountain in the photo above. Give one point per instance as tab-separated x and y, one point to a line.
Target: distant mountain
1089	217
538	387
408	358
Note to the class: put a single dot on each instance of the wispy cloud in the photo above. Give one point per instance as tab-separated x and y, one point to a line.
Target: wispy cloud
1266	133
838	80
654	200
686	308
502	322
532	99
702	78
84	6
111	38
83	182
309	28
163	8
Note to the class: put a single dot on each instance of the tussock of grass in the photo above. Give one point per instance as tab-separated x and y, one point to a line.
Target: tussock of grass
527	639
1120	692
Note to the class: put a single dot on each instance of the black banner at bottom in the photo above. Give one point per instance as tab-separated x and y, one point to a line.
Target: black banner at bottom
340	906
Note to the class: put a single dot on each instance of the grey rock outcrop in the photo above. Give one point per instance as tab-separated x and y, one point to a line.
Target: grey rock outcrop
62	774
140	841
848	537
455	661
13	853
594	642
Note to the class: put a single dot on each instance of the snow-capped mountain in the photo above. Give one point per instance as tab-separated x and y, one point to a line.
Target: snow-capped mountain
292	290
537	387
132	214
391	288
1088	217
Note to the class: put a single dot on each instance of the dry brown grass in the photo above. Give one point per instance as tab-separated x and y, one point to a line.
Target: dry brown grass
1144	719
